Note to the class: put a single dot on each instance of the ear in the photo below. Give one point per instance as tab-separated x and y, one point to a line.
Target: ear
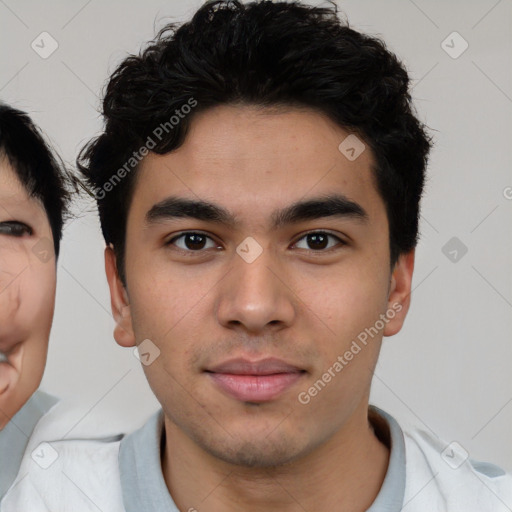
399	297
123	331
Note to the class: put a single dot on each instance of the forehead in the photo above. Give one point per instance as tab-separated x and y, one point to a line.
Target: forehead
9	182
14	197
255	160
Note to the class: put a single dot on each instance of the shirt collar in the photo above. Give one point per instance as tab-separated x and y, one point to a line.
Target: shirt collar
144	487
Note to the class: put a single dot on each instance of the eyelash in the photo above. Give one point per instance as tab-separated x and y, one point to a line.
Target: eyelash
15	228
190	252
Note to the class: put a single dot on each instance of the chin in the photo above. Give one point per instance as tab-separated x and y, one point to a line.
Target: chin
253	452
251	455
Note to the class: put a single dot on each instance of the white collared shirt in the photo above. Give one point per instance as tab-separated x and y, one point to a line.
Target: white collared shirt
125	475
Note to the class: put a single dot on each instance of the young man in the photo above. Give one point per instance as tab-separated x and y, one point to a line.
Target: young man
258	184
33	201
35	428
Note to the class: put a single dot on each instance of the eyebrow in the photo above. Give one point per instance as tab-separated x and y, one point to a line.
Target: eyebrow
332	205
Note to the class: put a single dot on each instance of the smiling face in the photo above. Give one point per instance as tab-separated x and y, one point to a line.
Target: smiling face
244	282
27	292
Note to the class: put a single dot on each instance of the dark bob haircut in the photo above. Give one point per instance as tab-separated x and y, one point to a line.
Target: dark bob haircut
36	165
267	54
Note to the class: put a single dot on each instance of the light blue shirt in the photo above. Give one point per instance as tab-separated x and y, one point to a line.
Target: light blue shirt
15	435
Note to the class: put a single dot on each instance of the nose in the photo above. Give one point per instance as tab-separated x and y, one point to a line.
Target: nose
256	295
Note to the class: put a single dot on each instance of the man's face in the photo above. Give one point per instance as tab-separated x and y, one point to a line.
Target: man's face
27	292
255	290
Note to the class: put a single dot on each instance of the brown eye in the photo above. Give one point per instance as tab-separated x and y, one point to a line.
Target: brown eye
319	241
191	241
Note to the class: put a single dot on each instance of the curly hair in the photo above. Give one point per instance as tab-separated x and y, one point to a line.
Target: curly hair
267	54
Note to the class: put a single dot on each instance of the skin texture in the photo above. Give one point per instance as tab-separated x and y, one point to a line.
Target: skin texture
293	302
27	292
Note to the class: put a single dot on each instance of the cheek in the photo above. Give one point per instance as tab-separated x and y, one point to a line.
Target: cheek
26	316
37	308
345	300
13	261
171	313
27	288
164	311
37	297
164	295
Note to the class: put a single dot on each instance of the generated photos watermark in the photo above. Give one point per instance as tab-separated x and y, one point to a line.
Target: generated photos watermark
156	136
304	397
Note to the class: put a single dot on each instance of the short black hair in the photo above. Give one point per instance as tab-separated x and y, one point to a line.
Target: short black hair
37	166
267	54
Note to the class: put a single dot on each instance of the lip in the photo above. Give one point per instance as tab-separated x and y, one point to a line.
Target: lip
255	381
267	366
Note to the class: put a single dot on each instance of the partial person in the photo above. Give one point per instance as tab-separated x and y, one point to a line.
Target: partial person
33	204
258	183
40	435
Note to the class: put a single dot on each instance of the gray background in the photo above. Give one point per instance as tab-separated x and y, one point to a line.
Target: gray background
448	371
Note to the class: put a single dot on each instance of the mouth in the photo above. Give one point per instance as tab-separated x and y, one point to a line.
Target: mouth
259	381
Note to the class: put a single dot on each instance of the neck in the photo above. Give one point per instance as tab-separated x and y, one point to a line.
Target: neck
344	473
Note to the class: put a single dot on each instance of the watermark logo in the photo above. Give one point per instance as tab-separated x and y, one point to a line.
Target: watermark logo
44	455
44	45
146	352
43	249
351	147
249	249
454	45
454	455
454	249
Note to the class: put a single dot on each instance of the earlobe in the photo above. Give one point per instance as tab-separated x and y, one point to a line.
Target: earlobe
123	330
399	297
